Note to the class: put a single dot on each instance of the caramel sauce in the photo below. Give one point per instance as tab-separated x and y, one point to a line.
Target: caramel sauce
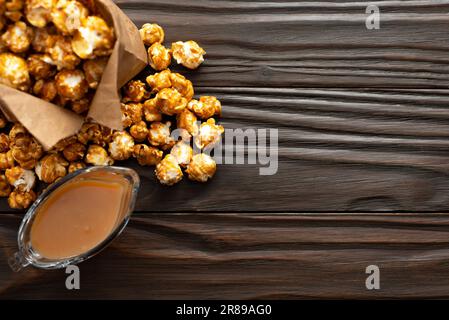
77	217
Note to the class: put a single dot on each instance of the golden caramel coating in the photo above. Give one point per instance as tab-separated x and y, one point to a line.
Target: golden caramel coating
6	160
26	150
187	120
45	90
139	131
5	188
93	39
14	72
60	146
170	101
159	81
74	166
146	155
93	69
159	57
67	15
4	142
3	121
211	102
14	16
159	135
51	167
21	199
74	151
151	111
182	85
98	156
16	130
38	12
201	168
43	39
14	5
121	146
95	133
206	107
62	55
40	66
209	134
18	37
182	152
81	106
168	171
131	114
188	53
152	33
21	179
71	84
135	91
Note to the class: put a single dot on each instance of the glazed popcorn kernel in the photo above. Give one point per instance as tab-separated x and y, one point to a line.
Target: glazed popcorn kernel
21	179
21	199
26	150
98	156
62	55
201	168
139	131
40	66
38	12
168	171
3	121
159	81
146	155
74	151
182	152
14	5
159	57
159	135
71	84
6	160
95	133
43	39
76	166
93	39
67	15
5	188
188	53
209	134
152	33
187	120
4	142
18	37
182	85
170	101
206	107
131	113
121	146
60	146
14	72
135	91
51	167
93	69
80	106
16	130
151	111
45	90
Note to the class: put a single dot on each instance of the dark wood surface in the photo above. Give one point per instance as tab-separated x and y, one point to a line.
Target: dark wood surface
363	124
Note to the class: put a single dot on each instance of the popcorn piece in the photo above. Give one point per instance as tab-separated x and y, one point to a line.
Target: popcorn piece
131	114
43	39
98	156
182	152
74	151
207	107
26	150
21	199
151	111
45	90
14	72
159	135
51	167
67	16
201	168
14	5
16	130
40	66
5	188
139	131
159	81
159	57
21	179
95	133
74	166
209	134
182	85
62	55
187	120
18	37
152	33
189	54
6	160
38	12
168	171
3	121
121	146
93	69
81	106
93	39
170	101
71	84
4	142
135	91
146	155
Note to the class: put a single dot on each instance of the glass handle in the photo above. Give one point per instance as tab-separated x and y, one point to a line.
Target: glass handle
17	262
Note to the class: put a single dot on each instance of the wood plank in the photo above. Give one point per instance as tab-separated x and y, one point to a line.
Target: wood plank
235	257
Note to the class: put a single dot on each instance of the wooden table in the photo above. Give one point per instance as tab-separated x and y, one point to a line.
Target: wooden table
363	124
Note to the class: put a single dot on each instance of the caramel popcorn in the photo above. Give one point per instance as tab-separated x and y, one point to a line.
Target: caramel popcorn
182	85
201	168
74	151
80	106
189	54
26	150
16	130
14	5
170	101
187	120
62	144
95	133
182	152
159	81
6	160
135	91
168	171
93	69
4	142
146	155
98	156
21	199
209	134
44	38
5	188
3	121
40	66
159	57
45	90
121	146
206	107
159	135
74	166
67	15
151	33
151	111
131	114
139	131
51	167
18	37
14	72
38	12
71	84
61	53
21	179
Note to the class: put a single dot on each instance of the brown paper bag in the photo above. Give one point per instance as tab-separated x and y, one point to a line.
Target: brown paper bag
49	123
